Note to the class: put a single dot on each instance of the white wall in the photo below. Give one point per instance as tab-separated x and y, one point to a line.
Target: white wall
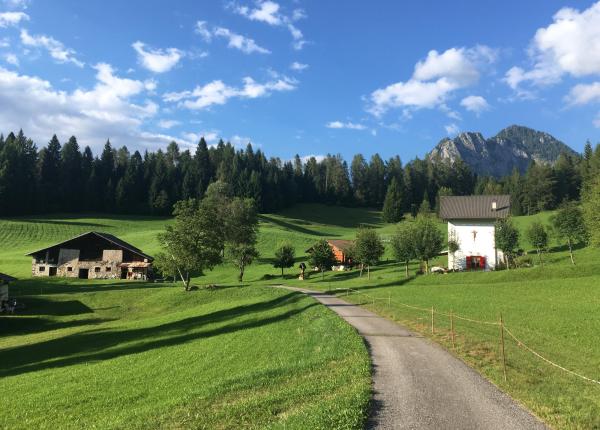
482	244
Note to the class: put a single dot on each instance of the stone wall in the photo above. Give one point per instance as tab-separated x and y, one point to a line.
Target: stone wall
69	265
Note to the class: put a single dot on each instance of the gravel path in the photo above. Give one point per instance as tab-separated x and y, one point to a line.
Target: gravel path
419	385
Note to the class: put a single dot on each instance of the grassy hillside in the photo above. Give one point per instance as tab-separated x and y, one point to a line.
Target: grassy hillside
133	355
553	309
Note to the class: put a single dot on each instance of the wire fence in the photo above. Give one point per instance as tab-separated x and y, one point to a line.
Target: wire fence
500	324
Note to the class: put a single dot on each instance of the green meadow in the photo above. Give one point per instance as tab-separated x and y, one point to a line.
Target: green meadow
246	355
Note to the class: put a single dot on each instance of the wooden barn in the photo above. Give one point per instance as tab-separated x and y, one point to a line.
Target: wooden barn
92	255
340	249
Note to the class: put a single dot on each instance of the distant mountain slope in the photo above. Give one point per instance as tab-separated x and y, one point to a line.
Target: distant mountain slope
515	146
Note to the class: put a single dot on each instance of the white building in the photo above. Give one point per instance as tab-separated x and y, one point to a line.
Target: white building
471	221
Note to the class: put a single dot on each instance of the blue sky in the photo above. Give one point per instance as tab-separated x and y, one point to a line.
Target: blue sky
307	77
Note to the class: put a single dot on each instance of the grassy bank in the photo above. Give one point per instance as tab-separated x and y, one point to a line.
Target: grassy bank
133	355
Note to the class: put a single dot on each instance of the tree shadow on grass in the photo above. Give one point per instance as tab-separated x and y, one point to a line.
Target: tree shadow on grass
36	287
104	344
43	306
18	325
330	215
294	227
373	286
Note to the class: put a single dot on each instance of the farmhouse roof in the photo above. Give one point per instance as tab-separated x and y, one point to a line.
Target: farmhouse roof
475	207
106	236
6	278
340	243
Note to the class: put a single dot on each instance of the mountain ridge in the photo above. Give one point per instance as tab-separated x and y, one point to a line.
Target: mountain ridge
514	146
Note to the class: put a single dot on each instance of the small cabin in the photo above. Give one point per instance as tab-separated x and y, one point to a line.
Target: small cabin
92	255
341	249
472	223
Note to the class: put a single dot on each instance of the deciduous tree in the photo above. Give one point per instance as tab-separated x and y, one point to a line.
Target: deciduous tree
506	237
321	256
403	243
538	238
368	248
428	239
284	256
569	226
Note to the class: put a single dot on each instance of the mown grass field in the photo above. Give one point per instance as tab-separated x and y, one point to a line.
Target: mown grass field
554	309
136	355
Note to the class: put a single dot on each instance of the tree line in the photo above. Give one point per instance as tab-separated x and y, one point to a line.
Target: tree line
61	177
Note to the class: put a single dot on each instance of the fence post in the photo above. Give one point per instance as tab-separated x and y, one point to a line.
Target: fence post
432	322
452	329
502	344
389	299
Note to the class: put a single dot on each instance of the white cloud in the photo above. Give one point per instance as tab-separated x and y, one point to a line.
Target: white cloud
218	93
16	4
203	30
305	158
476	104
269	13
298	66
168	123
56	49
453	65
452	129
11	58
434	79
108	110
570	45
584	93
236	41
298	14
348	125
157	60
240	141
211	137
12	18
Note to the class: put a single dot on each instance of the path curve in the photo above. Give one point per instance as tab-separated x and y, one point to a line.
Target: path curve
419	385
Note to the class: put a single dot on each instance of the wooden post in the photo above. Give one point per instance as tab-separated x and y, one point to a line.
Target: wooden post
432	322
452	329
502	344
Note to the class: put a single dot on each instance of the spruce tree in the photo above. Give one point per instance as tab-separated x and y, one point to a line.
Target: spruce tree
392	205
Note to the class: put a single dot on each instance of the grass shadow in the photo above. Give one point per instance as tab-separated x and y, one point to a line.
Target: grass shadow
36	287
40	306
103	344
294	227
19	325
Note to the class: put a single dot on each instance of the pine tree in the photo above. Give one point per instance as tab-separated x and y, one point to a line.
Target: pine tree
50	165
392	206
72	185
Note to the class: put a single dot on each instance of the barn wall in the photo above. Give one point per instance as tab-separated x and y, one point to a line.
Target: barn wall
112	255
482	244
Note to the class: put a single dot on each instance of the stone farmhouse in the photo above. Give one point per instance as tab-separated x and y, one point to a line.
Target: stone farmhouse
471	222
92	255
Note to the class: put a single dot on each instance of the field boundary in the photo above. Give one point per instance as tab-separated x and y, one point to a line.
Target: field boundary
500	324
